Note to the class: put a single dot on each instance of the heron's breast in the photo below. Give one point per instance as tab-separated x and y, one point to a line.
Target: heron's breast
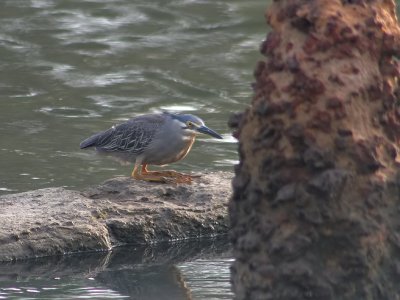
186	148
172	150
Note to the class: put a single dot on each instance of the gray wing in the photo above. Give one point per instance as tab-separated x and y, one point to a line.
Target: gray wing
132	136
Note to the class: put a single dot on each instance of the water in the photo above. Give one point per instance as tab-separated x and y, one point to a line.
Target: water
70	68
179	271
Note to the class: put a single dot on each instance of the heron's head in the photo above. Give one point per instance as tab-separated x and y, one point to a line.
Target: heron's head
193	125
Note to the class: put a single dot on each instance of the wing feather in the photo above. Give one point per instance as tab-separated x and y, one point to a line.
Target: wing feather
132	136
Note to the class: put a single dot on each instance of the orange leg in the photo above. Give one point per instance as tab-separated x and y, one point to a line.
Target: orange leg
159	176
136	174
166	173
170	175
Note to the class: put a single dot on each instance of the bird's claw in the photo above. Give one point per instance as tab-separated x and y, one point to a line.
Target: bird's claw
182	179
172	177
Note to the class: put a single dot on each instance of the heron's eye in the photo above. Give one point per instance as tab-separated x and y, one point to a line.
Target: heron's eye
189	124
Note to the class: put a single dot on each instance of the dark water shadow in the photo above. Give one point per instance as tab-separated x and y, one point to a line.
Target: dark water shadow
141	272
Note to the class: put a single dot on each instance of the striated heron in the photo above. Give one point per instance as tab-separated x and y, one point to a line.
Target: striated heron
152	139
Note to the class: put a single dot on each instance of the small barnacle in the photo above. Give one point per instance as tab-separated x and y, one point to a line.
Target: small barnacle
302	24
305	87
345	132
374	92
275	65
289	46
370	22
365	154
357	2
272	41
346	32
259	68
334	102
321	120
311	44
355	70
346	50
293	63
336	79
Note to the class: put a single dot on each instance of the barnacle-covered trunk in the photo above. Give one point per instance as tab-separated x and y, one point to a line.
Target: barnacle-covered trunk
315	212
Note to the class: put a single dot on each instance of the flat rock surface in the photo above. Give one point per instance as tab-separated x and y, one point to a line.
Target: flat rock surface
119	211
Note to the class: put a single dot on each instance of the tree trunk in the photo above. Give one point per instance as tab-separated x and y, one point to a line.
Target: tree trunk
315	212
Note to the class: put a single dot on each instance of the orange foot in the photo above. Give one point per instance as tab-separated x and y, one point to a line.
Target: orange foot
168	176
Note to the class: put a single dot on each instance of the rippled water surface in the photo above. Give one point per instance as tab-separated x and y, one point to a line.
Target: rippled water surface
70	68
197	270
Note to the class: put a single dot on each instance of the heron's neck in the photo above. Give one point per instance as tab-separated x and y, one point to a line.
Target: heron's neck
188	135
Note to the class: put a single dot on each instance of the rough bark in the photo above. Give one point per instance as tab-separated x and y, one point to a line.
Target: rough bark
120	211
315	208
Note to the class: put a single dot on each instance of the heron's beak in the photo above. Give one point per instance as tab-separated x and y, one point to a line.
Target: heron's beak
206	130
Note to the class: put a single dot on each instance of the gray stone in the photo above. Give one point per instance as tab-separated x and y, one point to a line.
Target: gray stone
120	211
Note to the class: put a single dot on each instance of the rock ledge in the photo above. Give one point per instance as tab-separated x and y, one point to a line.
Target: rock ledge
120	211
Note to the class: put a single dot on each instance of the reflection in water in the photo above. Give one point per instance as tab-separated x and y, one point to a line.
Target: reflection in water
70	68
207	279
196	269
